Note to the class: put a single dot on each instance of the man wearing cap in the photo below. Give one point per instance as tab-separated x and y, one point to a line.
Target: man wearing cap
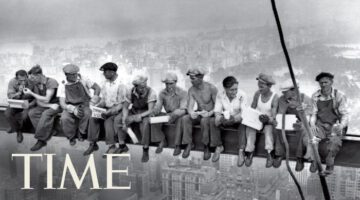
204	94
17	116
288	104
42	116
228	107
143	100
265	101
329	120
174	101
112	99
75	97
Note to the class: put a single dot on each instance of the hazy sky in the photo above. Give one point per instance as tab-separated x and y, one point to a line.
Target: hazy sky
49	19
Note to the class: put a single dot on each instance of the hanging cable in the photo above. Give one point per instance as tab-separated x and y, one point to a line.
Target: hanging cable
301	113
287	158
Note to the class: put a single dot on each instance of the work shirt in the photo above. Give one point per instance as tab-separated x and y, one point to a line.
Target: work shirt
112	93
45	84
15	86
171	101
234	107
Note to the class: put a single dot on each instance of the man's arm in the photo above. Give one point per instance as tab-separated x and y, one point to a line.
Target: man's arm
274	107
44	99
343	110
191	103
158	106
11	93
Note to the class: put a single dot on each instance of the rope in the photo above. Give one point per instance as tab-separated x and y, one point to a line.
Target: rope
301	113
287	158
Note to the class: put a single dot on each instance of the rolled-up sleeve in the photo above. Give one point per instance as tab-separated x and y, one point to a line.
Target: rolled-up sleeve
343	109
152	96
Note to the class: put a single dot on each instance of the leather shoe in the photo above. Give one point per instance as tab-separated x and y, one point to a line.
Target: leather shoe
111	149
177	150
299	165
10	130
19	137
39	144
122	149
277	161
329	169
216	156
72	141
207	153
162	144
187	150
248	158
313	166
145	156
92	147
241	159
269	160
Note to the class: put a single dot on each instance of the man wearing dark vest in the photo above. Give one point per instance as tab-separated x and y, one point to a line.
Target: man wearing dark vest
329	120
112	99
288	104
47	107
204	95
17	116
174	101
143	100
74	95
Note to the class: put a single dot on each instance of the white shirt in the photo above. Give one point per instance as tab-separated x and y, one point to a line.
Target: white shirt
265	108
235	106
112	92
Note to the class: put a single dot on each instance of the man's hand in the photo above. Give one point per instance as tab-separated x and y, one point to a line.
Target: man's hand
337	129
219	120
314	129
298	125
54	106
94	100
79	112
70	108
194	115
27	91
229	122
137	118
264	119
204	113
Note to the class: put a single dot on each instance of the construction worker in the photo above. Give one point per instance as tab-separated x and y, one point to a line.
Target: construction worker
204	94
112	99
265	101
288	104
328	121
174	101
75	97
143	100
17	116
42	116
228	107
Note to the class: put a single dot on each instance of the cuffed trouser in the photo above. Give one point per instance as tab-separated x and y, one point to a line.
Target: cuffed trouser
301	144
141	129
43	120
109	126
215	134
251	138
328	143
71	124
16	117
188	123
157	134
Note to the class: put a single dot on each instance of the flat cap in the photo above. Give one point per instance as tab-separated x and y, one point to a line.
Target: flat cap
287	85
109	66
139	80
324	74
71	69
169	77
265	78
195	71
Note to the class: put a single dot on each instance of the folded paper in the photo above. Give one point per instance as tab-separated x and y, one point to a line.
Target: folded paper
250	118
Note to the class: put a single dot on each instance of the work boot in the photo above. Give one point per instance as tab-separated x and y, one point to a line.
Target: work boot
248	158
111	150
39	144
269	160
81	137
329	170
207	153
92	147
72	141
277	161
241	158
299	164
187	150
145	156
218	150
10	130
313	166
330	158
122	149
177	150
19	137
162	144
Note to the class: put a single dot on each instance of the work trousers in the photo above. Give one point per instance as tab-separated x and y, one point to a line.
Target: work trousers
251	138
16	117
43	120
71	124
